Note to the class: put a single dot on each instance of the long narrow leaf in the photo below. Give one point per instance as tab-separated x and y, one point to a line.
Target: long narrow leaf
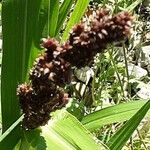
133	5
64	9
117	113
19	20
41	26
75	17
53	16
118	140
63	132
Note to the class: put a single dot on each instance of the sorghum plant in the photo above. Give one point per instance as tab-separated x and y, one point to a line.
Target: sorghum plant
41	77
52	69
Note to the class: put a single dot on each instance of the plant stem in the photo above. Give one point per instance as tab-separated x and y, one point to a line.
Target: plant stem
116	70
93	85
131	143
127	71
126	63
141	139
3	136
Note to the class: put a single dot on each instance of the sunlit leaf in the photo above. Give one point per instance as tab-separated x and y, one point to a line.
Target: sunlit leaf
63	132
64	9
53	16
118	140
20	24
116	113
75	17
133	5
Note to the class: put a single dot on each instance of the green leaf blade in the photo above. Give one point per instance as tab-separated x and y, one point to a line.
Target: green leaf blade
63	132
53	17
64	9
75	17
19	26
133	5
113	114
118	140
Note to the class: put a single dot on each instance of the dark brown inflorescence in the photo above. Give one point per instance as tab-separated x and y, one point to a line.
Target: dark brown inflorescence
91	37
44	95
52	70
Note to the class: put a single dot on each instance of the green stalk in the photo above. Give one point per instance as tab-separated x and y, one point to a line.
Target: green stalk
10	129
116	70
126	62
141	139
127	71
93	85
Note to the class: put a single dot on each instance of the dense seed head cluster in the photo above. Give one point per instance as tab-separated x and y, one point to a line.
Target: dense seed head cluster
37	104
91	37
44	95
52	70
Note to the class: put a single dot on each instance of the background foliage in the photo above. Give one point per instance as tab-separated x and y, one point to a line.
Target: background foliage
96	119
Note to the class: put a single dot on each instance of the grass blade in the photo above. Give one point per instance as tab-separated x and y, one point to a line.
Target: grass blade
41	23
19	20
133	5
75	17
64	10
53	17
38	29
117	113
67	131
118	140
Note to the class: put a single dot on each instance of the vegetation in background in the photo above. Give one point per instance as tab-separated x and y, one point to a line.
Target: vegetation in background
104	99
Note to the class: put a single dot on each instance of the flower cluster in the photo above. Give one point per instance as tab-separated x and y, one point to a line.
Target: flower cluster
93	36
44	94
52	70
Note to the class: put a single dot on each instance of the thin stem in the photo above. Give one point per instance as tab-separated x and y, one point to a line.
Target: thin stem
126	62
10	129
105	71
117	73
93	85
127	71
131	143
141	139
